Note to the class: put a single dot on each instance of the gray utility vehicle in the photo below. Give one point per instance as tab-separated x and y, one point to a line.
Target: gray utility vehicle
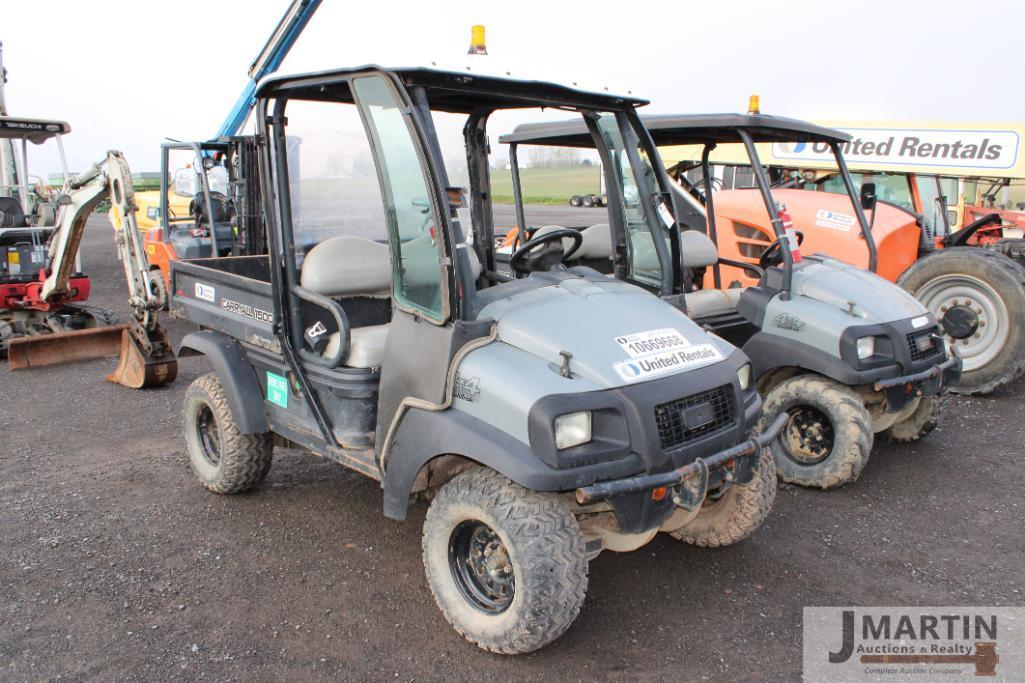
548	417
842	352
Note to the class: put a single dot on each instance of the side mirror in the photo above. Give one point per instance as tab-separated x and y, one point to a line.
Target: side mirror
868	196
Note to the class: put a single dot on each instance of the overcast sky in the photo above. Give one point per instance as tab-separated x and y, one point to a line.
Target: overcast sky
127	74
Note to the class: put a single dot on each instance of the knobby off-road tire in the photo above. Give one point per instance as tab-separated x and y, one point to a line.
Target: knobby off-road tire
532	534
737	513
992	286
925	419
224	459
819	407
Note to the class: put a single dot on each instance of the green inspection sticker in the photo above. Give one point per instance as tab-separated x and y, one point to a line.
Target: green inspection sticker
277	389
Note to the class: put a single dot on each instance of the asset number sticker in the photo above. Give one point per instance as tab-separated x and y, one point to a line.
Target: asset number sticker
671	361
652	341
277	389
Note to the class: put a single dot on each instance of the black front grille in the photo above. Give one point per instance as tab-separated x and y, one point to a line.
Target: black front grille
692	417
917	350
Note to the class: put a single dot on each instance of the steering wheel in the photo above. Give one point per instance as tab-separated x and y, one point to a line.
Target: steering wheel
522	262
773	254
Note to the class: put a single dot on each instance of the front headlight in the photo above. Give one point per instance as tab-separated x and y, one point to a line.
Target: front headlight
744	377
866	347
572	429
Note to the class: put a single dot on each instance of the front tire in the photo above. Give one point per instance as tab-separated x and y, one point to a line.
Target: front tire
828	438
576	201
737	513
506	565
158	286
919	423
979	298
224	459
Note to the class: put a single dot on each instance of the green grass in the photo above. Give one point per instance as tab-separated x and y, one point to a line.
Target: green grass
545	185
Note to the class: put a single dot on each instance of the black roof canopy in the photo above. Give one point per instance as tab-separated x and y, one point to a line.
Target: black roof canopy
36	131
685	129
450	91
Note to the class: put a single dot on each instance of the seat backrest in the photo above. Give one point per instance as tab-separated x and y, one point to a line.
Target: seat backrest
11	214
596	244
698	250
218	203
347	266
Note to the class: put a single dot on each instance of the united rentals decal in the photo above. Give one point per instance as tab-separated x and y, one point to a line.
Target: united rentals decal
914	644
978	149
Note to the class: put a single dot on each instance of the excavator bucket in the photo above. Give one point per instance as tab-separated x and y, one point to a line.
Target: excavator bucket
65	347
144	365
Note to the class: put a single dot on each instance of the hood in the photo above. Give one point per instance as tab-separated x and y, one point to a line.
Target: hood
617	333
840	284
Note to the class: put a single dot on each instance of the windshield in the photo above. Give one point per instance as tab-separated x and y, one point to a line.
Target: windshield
892	188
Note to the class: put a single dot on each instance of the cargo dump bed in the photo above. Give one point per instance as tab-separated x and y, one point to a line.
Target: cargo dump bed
231	295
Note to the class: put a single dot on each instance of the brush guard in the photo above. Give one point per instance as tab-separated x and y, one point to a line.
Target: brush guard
681	476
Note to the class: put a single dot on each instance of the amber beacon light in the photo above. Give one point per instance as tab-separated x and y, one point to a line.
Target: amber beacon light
477	45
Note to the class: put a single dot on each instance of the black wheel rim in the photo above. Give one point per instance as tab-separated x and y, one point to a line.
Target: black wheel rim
481	567
209	435
808	437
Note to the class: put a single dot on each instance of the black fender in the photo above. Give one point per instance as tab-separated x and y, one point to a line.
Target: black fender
769	352
424	435
237	376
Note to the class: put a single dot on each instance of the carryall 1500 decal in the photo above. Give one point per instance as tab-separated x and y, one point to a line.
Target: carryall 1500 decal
247	311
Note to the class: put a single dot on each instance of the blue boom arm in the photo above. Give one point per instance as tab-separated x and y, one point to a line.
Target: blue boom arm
269	59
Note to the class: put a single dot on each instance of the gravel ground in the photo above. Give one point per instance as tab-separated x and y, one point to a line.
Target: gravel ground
115	564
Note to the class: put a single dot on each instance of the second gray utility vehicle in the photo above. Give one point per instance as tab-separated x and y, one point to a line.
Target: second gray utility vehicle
842	352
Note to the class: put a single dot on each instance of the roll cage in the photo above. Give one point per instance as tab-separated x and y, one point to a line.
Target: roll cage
421	92
708	131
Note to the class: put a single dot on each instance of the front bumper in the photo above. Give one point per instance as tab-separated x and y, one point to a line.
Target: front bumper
929	382
697	469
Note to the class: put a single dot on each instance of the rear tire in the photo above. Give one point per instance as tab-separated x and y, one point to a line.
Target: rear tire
828	438
986	290
924	420
588	200
737	513
529	588
224	459
576	200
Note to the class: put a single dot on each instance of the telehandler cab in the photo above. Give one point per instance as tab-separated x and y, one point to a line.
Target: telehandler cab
839	351
548	417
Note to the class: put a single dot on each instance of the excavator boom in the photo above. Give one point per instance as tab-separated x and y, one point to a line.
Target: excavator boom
146	357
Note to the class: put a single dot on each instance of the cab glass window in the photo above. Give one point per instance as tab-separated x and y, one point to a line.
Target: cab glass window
645	266
417	270
933	208
332	182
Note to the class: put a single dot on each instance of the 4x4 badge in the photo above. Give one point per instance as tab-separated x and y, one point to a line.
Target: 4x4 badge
785	321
